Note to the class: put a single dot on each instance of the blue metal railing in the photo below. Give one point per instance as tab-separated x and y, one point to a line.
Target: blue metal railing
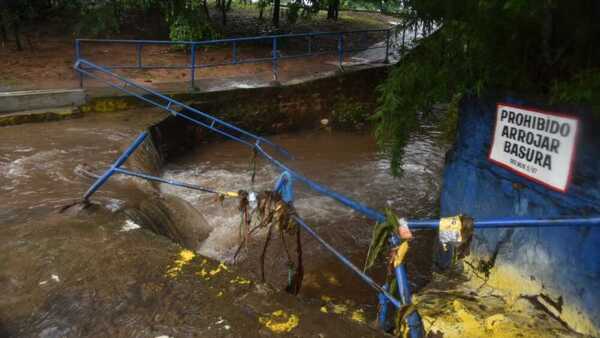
175	107
340	43
190	114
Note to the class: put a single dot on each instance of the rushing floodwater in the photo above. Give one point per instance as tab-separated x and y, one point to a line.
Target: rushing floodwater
70	276
349	163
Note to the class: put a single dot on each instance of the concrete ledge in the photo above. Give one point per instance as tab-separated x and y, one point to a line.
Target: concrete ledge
39	115
37	99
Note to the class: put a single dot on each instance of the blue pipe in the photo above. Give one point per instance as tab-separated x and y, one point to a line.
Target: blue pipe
163	180
514	222
383	309
324	190
223	41
124	156
346	262
193	66
370	213
93	66
415	324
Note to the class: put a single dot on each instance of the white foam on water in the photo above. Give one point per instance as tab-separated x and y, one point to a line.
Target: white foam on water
129	225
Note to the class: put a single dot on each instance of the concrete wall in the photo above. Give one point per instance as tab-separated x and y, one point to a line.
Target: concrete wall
40	99
556	267
271	109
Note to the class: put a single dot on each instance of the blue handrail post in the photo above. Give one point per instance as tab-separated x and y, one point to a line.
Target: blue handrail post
119	162
387	47
193	66
77	57
234	58
274	57
414	321
415	324
138	48
341	49
382	320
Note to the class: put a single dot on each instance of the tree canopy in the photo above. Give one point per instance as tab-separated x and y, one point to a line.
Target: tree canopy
547	47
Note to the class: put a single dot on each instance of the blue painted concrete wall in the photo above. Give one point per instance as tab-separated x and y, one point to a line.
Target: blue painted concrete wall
565	260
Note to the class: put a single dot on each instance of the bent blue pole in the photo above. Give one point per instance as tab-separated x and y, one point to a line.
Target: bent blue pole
124	156
347	262
165	181
214	124
515	222
373	214
414	321
284	186
415	324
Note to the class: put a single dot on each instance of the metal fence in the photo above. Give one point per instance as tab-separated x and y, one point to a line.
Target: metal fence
244	50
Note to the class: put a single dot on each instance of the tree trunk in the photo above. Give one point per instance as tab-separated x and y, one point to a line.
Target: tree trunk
17	35
333	9
228	4
223	13
206	12
276	7
3	31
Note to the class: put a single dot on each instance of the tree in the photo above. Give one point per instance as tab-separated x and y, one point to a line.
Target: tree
517	45
333	9
276	9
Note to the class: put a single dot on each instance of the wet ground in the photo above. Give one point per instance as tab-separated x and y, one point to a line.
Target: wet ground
93	272
48	62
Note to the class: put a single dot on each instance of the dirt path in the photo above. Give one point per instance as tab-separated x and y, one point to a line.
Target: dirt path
49	65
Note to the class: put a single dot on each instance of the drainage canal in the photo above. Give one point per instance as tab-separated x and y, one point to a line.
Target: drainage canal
348	162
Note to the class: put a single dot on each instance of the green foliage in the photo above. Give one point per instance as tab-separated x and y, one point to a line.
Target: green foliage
191	28
293	12
98	19
485	45
379	238
584	88
350	115
449	124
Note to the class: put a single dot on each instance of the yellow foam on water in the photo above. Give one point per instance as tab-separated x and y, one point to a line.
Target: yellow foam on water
326	298
202	273
358	316
279	321
185	257
339	308
240	280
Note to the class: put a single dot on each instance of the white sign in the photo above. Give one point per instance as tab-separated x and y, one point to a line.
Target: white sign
535	144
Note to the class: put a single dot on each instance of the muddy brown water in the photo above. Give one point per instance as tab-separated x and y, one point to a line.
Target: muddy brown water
347	162
82	274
